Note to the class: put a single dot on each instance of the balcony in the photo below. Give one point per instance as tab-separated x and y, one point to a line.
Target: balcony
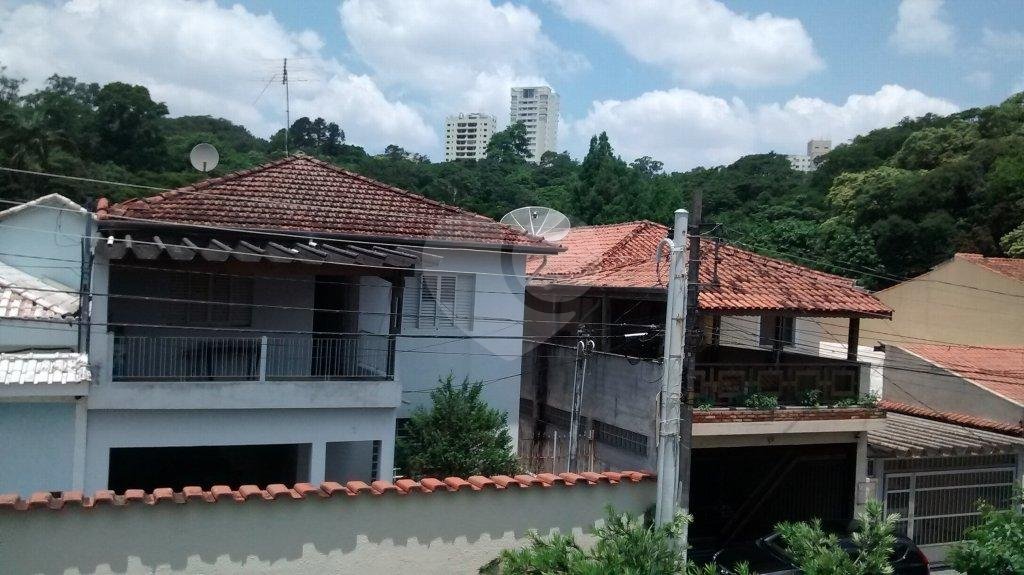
729	384
258	358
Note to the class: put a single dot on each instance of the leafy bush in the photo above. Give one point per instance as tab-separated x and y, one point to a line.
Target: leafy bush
459	436
810	397
626	545
995	546
818	553
704	404
765	401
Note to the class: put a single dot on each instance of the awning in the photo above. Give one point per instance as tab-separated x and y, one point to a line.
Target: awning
151	247
908	436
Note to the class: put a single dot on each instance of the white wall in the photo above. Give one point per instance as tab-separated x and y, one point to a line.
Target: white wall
421	362
150	428
47	232
37	442
419	533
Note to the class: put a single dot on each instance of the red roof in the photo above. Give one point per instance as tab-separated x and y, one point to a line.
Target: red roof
303	194
952	417
997	369
327	489
621	256
1012	268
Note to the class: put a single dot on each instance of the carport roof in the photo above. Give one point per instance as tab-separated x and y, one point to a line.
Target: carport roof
909	436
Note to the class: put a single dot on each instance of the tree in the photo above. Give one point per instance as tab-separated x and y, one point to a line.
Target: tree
459	436
647	166
626	545
509	146
128	126
995	546
818	553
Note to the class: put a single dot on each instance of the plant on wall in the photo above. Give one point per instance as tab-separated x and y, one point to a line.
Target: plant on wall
765	401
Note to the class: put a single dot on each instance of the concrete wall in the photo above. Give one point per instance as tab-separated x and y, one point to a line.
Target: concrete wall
163	428
37	442
40	231
421	362
935	307
917	382
437	533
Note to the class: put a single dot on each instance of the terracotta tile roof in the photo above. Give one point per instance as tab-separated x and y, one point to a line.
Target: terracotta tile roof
620	256
303	194
997	369
43	368
906	435
24	296
952	417
1012	268
44	500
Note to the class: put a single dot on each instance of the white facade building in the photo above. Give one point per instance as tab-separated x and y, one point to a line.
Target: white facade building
815	149
537	108
255	356
466	136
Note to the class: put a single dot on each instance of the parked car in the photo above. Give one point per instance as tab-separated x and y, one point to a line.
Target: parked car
768	556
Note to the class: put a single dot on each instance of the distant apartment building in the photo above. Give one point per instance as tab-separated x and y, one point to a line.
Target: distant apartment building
815	149
466	136
537	108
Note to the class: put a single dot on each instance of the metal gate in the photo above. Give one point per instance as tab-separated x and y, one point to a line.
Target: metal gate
939	506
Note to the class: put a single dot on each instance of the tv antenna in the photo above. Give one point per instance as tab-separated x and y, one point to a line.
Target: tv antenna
547	223
204	157
287	109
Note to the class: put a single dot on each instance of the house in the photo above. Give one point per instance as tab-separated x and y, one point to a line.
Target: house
273	325
969	299
762	333
44	372
932	467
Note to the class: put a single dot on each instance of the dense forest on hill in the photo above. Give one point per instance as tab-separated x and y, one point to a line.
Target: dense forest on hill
887	205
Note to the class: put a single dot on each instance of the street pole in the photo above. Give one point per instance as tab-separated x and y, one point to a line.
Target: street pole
669	487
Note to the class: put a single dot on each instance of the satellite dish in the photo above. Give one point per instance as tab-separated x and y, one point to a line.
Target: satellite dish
204	157
550	224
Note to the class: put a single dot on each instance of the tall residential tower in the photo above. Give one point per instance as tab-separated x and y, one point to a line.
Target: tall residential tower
537	108
466	136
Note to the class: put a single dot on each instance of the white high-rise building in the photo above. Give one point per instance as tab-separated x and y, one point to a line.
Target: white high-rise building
537	108
815	148
466	136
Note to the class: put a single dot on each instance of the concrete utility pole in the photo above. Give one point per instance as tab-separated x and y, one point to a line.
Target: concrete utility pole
584	347
669	444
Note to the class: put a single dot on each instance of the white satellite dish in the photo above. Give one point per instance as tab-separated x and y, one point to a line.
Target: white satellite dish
547	223
204	157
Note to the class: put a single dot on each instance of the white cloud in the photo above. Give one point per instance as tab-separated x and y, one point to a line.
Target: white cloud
684	128
201	58
1009	41
703	42
462	55
980	79
921	28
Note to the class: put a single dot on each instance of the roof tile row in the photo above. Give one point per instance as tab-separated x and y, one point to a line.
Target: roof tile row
952	417
44	500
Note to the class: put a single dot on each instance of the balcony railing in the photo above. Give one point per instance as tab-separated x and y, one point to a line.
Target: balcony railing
263	358
729	384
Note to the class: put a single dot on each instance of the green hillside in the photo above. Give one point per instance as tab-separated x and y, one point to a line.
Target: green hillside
890	204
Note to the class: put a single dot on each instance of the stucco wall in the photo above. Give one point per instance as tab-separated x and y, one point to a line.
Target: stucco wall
936	307
441	532
37	442
47	232
164	428
421	361
916	382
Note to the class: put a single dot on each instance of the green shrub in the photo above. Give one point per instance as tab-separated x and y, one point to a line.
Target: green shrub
995	546
810	397
818	553
762	401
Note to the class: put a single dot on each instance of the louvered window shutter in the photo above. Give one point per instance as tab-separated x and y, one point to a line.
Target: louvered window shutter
446	297
428	301
465	296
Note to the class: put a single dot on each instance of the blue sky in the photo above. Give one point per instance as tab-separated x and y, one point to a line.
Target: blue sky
689	82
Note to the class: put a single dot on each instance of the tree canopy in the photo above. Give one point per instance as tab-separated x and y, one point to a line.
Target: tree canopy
889	204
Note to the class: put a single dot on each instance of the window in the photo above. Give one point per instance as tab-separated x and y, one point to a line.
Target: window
768	323
440	301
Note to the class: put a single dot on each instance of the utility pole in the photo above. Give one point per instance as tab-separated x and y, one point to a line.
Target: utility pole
692	340
669	439
287	106
584	347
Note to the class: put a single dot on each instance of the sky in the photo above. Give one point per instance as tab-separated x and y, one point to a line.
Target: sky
688	82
